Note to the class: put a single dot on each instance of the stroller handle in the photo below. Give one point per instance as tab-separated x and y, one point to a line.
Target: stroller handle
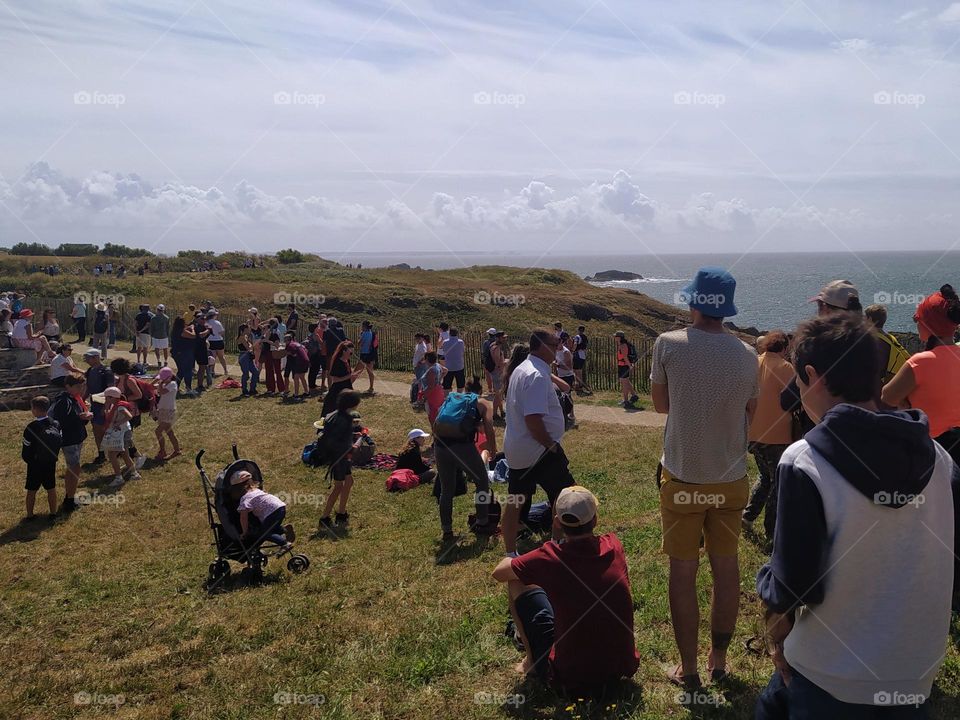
197	460
236	455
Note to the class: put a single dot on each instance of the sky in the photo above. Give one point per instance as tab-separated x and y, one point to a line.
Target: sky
541	127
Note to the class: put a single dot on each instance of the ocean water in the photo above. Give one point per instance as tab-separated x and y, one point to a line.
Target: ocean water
772	288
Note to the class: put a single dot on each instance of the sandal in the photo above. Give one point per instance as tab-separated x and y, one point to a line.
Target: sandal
688	682
718	675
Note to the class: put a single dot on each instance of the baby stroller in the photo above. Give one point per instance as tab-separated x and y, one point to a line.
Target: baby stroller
225	523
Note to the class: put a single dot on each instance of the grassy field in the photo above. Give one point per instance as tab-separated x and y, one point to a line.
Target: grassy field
111	602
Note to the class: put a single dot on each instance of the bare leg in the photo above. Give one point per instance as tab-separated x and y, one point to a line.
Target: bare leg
515	589
345	494
726	604
510	523
684	611
52	500
331	499
71	480
31	499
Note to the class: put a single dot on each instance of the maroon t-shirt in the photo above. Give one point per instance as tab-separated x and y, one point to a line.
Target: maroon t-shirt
587	584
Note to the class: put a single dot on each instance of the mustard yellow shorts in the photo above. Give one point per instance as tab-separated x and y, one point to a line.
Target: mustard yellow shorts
712	511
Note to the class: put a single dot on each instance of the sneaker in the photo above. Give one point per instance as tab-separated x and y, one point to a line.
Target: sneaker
634	398
140	461
448	538
69	505
629	406
134	476
117	482
325	524
342	519
289	532
513	554
101	458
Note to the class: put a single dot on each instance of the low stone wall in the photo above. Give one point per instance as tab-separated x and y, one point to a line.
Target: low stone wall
21	379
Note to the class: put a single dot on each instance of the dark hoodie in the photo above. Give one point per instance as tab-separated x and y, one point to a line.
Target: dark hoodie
878	453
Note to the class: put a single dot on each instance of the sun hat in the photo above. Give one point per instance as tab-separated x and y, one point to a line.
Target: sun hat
253	311
165	374
91	352
711	292
161	306
492	331
576	506
241	476
417	433
837	293
26	313
100	306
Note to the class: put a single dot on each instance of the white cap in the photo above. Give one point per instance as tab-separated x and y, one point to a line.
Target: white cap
492	331
576	506
417	433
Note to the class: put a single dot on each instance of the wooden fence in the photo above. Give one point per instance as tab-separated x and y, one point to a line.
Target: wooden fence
396	344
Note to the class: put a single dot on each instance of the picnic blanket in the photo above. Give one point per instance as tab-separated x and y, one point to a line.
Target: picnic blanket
381	461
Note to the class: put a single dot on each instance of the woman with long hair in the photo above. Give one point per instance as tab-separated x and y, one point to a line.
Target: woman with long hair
340	375
930	380
247	359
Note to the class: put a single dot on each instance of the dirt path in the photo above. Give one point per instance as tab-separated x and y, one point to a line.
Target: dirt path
585	413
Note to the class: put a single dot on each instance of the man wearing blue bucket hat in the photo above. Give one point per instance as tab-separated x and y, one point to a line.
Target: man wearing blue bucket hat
704	379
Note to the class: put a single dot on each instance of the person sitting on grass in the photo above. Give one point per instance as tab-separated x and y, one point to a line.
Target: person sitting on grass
340	441
166	413
571	603
411	456
41	446
269	511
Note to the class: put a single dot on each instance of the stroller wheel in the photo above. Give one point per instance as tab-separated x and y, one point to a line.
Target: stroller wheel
298	564
219	570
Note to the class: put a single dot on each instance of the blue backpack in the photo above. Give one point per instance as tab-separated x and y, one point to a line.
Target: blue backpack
458	417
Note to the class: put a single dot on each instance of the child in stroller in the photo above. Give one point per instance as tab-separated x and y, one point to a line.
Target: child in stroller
268	512
259	538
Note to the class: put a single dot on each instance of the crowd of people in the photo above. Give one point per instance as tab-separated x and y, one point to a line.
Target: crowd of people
856	445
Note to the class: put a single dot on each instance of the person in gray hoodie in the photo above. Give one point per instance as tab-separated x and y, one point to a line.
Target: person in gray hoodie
859	587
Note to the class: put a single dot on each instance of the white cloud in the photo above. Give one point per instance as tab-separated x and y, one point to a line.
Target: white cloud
951	14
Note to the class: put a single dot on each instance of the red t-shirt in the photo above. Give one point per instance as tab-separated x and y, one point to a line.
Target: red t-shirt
587	584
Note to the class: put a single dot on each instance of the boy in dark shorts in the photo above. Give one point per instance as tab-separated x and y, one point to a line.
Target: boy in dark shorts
577	632
41	447
341	438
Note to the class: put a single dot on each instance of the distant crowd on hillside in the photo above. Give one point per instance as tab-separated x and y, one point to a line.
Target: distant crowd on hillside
856	442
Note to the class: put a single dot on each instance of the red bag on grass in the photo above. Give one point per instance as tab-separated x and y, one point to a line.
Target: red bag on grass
401	480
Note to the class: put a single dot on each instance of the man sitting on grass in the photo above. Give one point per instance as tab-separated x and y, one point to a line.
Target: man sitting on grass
571	603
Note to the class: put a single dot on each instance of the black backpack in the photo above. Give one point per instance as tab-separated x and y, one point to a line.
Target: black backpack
486	355
100	324
632	356
50	439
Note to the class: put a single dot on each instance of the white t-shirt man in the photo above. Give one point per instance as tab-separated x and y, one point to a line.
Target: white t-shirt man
79	310
530	392
418	354
60	366
216	330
